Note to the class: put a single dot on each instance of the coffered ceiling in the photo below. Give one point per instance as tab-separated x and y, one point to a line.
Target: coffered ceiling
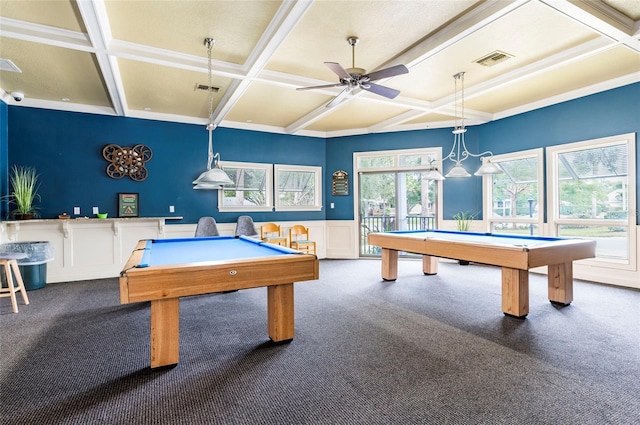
144	59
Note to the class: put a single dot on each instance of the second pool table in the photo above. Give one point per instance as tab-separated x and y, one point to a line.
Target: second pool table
516	254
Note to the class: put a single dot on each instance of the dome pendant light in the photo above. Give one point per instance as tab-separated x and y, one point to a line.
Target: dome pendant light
213	178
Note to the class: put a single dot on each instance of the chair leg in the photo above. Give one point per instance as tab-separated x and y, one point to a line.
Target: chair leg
8	265
11	289
18	275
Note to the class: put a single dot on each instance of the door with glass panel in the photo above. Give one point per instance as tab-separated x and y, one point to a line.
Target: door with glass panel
398	200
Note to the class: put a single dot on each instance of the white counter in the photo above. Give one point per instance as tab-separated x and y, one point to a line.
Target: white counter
86	248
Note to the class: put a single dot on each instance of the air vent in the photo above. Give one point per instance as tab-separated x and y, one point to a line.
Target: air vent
205	87
7	65
493	58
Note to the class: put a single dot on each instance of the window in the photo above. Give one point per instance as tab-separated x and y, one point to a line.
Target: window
592	193
514	199
298	188
252	190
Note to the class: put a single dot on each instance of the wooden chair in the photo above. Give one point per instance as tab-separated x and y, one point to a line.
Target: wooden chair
270	232
299	239
8	261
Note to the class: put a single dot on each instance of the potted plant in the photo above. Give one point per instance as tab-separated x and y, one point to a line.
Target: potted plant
24	181
463	220
463	224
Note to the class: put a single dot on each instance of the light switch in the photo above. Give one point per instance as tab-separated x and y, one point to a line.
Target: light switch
171	208
332	205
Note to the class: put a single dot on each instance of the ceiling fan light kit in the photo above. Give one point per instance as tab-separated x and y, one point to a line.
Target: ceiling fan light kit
213	178
353	78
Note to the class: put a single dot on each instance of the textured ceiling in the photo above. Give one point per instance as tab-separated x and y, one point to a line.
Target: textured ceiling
144	59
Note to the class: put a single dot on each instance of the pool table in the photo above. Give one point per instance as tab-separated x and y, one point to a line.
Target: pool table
163	270
516	254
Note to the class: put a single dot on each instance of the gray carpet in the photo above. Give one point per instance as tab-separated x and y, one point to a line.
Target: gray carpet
421	350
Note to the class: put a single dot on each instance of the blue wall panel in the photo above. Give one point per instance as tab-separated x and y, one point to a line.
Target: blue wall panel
459	194
4	164
603	114
66	148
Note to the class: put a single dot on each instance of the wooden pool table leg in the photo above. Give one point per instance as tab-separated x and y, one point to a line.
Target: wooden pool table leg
165	336
389	264
515	292
560	281
280	323
429	264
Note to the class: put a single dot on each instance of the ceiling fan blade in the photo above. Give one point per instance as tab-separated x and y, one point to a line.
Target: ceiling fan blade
381	90
387	72
338	98
339	70
325	86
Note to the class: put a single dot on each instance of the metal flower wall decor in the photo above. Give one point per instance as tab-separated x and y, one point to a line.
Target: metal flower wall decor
127	161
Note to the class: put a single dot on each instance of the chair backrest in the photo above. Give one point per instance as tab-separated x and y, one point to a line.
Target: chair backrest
206	227
269	229
298	231
245	226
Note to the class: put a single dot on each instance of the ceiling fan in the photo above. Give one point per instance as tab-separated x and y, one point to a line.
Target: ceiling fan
353	77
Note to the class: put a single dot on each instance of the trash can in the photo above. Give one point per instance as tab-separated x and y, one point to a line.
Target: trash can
33	268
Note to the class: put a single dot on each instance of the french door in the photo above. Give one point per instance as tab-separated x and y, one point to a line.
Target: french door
394	200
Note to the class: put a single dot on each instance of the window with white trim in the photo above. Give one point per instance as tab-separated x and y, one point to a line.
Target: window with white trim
252	189
298	188
592	194
514	200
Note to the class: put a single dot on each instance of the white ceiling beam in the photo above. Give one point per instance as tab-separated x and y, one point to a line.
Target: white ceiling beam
453	33
464	26
94	15
154	55
284	21
42	34
602	18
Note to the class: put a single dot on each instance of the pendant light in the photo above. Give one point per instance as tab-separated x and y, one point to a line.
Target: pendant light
213	178
459	151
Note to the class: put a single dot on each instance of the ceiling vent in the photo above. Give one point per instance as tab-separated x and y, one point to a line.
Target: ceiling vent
7	65
205	87
493	58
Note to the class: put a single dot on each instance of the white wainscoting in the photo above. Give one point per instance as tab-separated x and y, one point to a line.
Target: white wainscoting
92	248
87	249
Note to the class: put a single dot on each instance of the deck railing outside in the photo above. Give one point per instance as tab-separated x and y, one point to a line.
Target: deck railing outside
386	223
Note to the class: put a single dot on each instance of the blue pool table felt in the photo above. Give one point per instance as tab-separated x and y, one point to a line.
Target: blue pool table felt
194	250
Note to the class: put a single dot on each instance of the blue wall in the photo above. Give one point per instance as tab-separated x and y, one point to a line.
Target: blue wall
609	113
459	194
4	164
604	114
66	149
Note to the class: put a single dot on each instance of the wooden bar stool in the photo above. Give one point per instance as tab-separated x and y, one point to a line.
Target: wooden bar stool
9	261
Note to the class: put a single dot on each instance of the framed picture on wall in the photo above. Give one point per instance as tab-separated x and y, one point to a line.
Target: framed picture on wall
128	205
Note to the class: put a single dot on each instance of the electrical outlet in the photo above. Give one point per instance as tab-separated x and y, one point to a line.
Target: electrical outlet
96	210
76	210
171	208
332	205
